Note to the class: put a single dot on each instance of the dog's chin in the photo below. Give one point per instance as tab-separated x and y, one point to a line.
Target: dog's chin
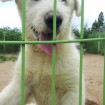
45	36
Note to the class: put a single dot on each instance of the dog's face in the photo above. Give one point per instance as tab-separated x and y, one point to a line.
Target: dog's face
39	19
39	16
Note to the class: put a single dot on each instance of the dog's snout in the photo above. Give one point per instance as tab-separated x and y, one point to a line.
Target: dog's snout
49	20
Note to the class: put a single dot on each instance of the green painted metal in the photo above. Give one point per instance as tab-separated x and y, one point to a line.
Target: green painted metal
104	77
53	42
53	75
54	54
4	41
81	53
23	76
23	54
99	43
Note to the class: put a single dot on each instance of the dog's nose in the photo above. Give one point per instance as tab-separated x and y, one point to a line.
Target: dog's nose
49	20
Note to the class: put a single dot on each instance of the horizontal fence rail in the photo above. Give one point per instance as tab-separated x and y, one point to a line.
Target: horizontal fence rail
53	42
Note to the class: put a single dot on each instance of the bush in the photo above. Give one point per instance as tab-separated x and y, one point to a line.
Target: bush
10	35
3	58
7	57
95	46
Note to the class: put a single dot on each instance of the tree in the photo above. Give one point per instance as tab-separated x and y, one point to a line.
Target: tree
95	26
98	25
104	27
10	35
76	32
87	31
101	19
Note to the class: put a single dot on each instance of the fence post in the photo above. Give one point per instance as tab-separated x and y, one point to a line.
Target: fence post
4	44
98	35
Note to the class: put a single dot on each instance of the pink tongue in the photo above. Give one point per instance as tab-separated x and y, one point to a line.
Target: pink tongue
46	47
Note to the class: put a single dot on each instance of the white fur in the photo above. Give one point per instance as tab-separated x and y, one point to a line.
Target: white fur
38	69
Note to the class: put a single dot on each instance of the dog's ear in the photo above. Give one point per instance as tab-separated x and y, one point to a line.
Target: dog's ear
19	6
77	5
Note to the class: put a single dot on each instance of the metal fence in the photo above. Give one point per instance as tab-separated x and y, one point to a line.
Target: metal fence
81	41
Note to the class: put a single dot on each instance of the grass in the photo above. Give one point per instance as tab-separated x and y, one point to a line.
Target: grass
8	57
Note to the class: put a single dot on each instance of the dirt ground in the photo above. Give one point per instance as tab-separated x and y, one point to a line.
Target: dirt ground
93	70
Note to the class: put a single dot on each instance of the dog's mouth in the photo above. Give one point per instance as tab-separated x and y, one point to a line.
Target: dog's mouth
42	36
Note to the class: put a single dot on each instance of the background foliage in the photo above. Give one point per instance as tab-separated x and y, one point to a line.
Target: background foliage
97	30
9	35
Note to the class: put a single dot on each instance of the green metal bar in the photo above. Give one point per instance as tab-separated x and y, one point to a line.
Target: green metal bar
53	42
99	43
22	76
23	55
54	54
4	40
81	70
81	53
53	74
54	20
104	77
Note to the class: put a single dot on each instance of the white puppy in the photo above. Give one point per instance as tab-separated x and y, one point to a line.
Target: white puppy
38	58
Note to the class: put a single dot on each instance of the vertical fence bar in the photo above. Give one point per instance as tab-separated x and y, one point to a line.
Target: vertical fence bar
104	77
23	56
4	44
22	76
99	42
54	53
81	53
